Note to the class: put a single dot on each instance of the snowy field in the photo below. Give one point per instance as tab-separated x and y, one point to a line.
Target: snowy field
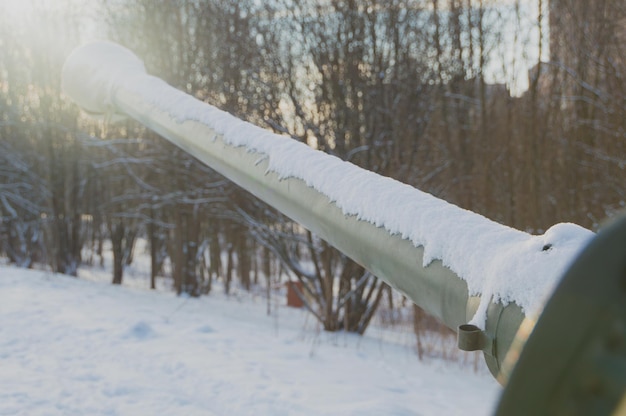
76	347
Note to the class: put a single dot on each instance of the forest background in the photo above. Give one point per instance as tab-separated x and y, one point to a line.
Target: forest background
512	109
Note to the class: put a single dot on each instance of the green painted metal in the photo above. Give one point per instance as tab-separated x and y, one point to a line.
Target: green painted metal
573	360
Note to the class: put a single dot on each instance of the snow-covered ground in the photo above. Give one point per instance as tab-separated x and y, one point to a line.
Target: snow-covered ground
75	347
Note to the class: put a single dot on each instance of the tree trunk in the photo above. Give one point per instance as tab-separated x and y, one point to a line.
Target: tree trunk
117	238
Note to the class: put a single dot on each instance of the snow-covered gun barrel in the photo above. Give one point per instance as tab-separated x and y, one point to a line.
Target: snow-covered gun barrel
482	279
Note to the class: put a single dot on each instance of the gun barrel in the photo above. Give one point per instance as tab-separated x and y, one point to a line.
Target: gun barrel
362	214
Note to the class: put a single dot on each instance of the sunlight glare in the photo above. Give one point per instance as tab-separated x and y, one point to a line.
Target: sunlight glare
17	10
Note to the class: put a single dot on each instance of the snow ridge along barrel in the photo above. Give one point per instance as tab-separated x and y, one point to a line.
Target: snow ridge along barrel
480	278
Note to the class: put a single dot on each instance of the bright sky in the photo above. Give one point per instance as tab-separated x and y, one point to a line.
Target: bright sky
24	9
519	49
509	63
15	7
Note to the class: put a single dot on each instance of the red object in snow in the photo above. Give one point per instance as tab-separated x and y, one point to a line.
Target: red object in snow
293	300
